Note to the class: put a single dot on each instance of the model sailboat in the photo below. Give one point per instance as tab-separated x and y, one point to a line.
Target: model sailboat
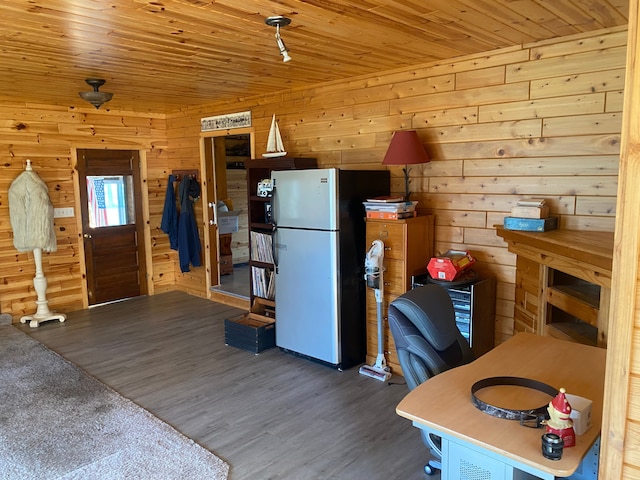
275	148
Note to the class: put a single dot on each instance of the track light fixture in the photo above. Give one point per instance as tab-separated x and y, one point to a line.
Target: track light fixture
278	22
96	98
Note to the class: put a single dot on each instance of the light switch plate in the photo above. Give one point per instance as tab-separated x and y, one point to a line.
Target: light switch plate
63	212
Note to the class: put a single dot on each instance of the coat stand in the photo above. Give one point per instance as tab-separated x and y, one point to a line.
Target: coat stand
40	284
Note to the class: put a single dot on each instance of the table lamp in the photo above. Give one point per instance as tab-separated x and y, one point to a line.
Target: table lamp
405	149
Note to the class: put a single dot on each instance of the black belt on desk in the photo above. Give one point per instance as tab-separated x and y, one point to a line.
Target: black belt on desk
529	417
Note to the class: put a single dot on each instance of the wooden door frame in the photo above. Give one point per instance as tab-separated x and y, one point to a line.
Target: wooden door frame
211	245
624	314
144	192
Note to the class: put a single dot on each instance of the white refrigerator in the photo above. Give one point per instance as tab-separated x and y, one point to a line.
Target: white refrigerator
319	240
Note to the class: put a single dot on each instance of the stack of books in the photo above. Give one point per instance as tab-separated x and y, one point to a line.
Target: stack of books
389	208
261	247
263	282
531	215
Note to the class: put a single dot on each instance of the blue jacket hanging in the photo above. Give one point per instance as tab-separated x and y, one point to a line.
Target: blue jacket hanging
169	224
188	238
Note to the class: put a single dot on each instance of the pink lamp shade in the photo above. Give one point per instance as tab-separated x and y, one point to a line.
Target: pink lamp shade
405	149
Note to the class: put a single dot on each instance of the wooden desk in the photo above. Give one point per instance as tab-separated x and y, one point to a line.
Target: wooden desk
442	405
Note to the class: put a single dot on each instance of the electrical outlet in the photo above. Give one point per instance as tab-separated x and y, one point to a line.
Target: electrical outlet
63	212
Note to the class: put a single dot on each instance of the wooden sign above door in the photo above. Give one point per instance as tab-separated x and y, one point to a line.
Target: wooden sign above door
224	122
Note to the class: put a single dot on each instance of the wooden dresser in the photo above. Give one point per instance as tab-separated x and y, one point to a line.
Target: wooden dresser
408	246
563	283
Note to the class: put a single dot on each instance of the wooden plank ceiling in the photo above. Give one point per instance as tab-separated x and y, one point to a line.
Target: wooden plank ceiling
162	55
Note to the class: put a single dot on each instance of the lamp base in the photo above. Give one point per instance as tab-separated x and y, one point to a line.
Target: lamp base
407	193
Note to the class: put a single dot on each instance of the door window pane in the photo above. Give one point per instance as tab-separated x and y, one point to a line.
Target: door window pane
110	201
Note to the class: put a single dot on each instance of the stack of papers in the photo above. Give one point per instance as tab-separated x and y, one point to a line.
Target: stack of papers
389	208
532	202
385	199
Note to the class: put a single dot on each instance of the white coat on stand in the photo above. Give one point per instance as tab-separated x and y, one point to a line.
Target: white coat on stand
31	215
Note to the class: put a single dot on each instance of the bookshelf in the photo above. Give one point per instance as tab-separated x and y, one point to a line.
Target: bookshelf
262	288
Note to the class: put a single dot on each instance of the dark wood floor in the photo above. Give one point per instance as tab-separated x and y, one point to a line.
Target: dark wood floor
270	416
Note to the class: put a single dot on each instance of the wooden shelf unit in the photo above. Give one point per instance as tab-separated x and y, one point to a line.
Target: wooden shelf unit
257	170
408	246
563	283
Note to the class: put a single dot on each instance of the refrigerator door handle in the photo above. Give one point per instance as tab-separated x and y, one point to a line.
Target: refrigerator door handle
274	249
274	193
274	222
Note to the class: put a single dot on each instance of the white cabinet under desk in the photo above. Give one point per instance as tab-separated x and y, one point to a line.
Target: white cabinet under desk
563	283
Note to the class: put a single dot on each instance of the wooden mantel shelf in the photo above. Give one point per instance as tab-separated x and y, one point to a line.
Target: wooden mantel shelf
587	255
563	283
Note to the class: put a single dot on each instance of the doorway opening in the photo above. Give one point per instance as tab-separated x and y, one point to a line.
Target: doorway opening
227	200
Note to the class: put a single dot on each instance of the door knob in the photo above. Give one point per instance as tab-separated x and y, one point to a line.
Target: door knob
86	235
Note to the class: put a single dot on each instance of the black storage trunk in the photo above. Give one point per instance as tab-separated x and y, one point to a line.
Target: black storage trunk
250	332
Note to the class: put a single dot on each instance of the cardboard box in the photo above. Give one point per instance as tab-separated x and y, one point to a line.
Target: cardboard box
228	222
450	265
580	413
531	224
250	332
530	212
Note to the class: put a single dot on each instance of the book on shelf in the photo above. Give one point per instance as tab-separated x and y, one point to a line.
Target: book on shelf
532	202
390	215
386	199
531	224
263	282
271	288
397	207
261	247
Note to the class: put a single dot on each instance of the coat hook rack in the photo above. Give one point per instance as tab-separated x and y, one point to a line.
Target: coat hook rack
180	174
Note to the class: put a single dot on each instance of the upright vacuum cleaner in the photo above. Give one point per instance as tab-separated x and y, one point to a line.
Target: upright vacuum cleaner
373	274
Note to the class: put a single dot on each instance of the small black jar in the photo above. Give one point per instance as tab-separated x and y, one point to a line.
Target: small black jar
552	446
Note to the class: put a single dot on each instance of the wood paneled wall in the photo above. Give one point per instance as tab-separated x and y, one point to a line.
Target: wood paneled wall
540	120
49	136
543	119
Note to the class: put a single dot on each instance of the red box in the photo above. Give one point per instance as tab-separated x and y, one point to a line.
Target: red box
449	265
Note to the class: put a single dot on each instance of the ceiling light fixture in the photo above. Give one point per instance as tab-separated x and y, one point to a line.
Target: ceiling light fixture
278	22
96	98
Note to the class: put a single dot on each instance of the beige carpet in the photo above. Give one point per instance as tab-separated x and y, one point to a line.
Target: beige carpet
57	422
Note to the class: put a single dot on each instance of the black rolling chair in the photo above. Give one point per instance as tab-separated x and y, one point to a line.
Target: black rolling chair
428	342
